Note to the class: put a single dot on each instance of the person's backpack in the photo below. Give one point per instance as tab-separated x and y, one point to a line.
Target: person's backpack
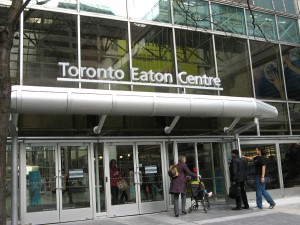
173	171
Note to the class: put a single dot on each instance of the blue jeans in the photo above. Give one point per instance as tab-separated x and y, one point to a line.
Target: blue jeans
261	191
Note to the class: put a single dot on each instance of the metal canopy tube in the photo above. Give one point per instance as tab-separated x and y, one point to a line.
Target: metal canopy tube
170	128
51	100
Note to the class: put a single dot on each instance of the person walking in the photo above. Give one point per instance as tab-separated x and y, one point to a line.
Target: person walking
238	175
178	185
114	178
262	178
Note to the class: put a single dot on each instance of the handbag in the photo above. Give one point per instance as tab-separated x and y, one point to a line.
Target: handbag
122	184
233	191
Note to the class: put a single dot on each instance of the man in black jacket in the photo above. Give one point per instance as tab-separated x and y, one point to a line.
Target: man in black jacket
238	175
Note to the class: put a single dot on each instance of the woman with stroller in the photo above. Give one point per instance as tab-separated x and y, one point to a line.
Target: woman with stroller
178	185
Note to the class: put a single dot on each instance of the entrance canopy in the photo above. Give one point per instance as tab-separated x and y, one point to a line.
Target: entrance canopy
52	100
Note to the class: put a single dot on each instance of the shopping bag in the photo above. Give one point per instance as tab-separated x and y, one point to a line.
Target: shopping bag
122	184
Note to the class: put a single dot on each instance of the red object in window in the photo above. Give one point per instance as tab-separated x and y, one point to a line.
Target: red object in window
195	170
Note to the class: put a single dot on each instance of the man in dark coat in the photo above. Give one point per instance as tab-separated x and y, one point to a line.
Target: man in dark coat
178	185
238	175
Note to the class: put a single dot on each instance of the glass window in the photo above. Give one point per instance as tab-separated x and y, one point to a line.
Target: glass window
267	72
228	19
294	109
153	10
110	7
152	52
267	4
104	45
195	55
276	126
49	38
290	161
272	166
265	26
54	4
233	66
279	6
291	63
288	30
291	6
193	13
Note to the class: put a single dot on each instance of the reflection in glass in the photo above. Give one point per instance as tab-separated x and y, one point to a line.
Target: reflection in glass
195	56
152	51
290	161
233	66
272	166
294	109
104	45
228	19
290	6
153	10
267	73
192	13
265	26
40	179
276	126
291	64
75	177
99	178
267	4
288	29
279	6
54	4
109	7
151	170
49	38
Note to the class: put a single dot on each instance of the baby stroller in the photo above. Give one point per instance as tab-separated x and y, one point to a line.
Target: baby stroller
199	196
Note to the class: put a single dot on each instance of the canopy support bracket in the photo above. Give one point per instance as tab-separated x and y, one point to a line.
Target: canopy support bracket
97	129
228	129
170	128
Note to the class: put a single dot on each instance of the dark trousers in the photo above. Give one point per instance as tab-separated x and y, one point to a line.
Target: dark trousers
241	196
114	195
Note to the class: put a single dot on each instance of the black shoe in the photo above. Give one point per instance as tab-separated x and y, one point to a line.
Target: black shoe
184	212
246	207
176	215
236	208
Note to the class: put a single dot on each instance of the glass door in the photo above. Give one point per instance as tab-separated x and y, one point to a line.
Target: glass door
139	167
74	183
54	183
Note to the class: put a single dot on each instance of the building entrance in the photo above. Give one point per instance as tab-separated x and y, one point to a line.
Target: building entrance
139	167
55	182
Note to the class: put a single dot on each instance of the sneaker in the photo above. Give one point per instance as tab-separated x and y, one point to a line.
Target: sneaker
257	208
272	206
245	207
236	208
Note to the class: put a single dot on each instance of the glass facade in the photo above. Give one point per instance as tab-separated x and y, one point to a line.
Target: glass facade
254	52
102	35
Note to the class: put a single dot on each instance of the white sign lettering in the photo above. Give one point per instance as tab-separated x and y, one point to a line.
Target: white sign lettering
137	77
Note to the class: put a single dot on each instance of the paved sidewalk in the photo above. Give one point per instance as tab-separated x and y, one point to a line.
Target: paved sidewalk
287	211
